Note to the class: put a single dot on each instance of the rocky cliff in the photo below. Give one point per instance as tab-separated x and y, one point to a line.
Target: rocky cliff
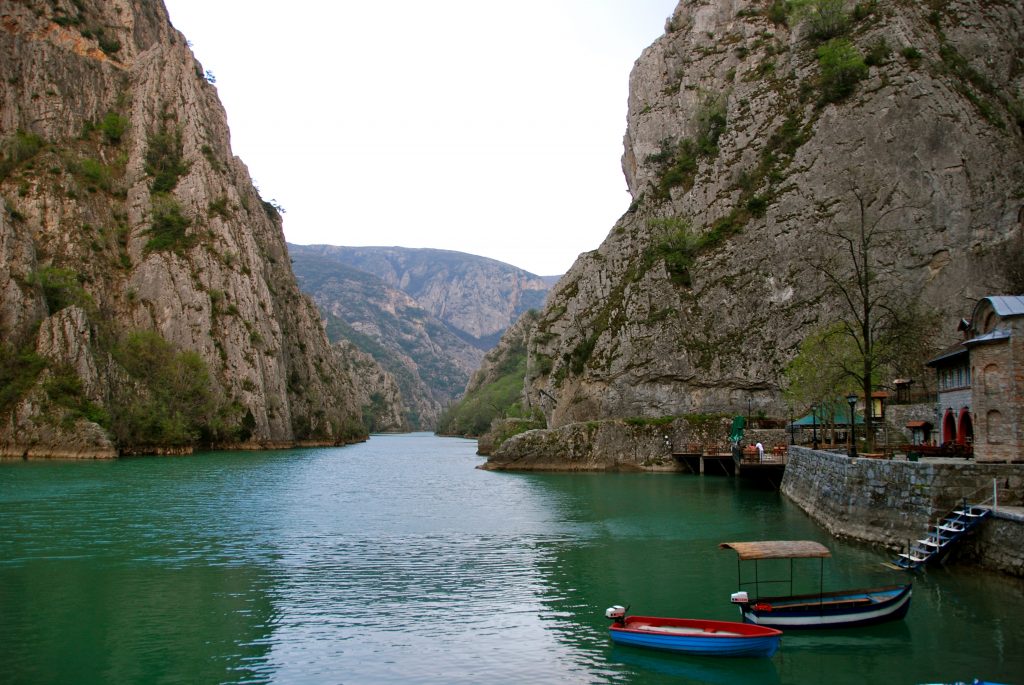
148	301
754	132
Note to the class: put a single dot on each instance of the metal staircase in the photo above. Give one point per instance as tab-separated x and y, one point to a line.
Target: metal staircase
942	536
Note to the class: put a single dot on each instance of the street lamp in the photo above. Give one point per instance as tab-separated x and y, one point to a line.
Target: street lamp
814	426
852	400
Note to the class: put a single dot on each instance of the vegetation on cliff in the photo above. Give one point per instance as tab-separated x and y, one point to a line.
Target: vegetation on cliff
496	391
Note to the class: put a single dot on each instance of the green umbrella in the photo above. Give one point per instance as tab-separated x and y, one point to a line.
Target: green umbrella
736	432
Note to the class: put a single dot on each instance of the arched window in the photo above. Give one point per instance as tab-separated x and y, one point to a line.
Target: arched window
990	379
994	427
965	431
949	427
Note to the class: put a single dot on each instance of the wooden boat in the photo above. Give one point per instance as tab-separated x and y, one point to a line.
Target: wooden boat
836	609
693	636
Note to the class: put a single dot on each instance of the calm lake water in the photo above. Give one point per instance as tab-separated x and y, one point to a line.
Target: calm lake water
397	561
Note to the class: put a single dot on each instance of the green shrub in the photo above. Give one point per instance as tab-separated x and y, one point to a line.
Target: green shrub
825	19
220	207
113	127
711	121
164	159
777	12
842	66
108	45
17	149
863	10
64	388
878	52
757	205
95	172
169	228
678	249
19	370
174	402
60	287
911	54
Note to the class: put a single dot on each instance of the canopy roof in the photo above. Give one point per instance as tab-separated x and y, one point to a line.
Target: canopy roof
779	549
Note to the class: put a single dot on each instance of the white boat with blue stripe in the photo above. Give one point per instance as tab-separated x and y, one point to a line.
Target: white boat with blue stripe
836	609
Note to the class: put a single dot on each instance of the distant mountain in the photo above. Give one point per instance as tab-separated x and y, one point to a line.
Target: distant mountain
426	316
477	296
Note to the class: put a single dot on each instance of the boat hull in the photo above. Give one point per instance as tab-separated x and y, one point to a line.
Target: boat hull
843	609
696	636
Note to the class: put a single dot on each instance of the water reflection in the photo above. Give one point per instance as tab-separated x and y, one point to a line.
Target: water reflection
693	669
397	561
85	622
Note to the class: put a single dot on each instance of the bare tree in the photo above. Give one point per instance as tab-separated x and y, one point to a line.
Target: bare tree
874	312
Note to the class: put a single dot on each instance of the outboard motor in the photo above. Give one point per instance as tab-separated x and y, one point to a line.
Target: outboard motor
739	598
616	613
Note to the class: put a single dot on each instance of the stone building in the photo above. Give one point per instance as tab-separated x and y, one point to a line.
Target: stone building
997	365
981	382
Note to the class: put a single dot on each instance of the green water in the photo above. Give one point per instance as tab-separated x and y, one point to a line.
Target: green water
396	561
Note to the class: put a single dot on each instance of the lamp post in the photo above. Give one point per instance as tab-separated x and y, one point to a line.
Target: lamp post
792	428
852	401
814	426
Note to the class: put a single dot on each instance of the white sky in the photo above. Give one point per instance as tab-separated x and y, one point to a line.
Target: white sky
493	128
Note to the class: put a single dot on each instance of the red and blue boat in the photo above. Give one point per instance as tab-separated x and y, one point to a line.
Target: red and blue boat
693	635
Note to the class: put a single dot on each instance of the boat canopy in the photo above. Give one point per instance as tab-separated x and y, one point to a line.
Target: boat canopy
779	549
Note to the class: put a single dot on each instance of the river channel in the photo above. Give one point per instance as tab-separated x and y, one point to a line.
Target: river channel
398	561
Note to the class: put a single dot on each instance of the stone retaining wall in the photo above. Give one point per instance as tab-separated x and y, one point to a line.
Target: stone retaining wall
616	444
890	502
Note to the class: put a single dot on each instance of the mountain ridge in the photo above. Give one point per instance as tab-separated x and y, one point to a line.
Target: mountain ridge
371	296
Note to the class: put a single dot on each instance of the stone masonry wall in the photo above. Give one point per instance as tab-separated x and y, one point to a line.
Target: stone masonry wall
998	370
890	502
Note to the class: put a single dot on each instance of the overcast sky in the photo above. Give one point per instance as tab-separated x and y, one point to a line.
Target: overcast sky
493	128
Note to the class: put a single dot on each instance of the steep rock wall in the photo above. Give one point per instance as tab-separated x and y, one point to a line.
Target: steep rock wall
930	138
123	198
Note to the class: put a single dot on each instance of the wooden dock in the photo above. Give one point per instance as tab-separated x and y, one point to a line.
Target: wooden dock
721	461
707	459
768	467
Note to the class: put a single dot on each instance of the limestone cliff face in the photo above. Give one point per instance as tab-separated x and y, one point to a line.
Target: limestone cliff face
739	157
125	211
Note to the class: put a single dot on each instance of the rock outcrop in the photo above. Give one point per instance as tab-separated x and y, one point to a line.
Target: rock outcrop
743	151
146	286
